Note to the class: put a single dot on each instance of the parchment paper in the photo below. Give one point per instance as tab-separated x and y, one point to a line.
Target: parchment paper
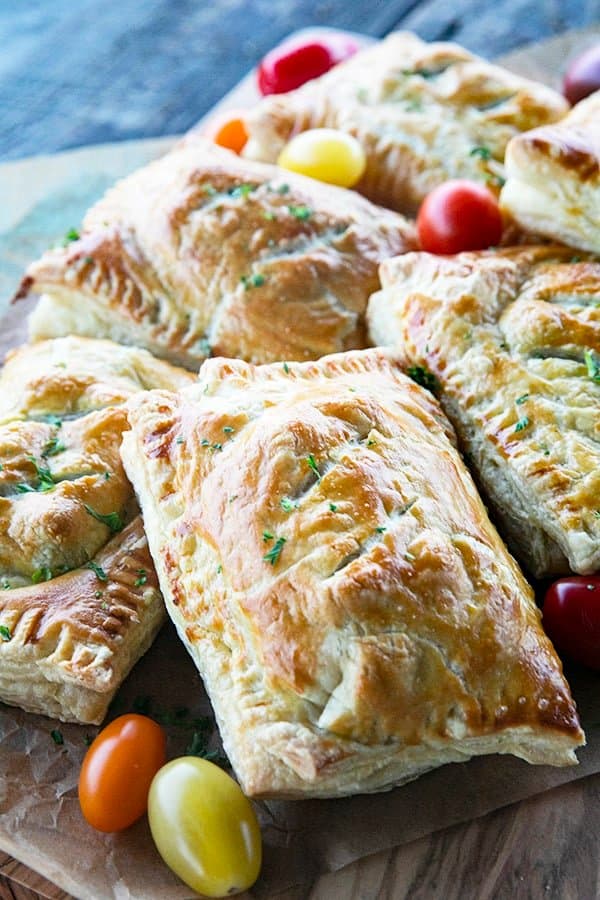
40	822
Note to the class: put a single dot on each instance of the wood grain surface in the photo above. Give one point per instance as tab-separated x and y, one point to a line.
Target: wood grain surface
88	72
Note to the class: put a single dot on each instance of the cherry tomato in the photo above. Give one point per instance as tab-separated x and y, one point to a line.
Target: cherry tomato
326	154
117	772
299	59
459	215
227	129
572	618
583	75
204	827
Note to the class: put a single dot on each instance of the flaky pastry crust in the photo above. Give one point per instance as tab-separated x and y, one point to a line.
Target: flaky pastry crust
332	571
512	340
79	600
422	112
553	178
203	252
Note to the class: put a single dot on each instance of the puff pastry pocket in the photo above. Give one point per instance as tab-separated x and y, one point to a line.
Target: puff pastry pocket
553	178
204	252
510	342
79	600
331	569
422	112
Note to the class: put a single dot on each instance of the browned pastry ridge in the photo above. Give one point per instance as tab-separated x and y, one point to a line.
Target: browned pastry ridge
553	178
79	599
201	251
510	342
422	112
332	571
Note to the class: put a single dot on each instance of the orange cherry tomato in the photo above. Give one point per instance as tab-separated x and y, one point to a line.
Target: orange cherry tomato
227	129
117	772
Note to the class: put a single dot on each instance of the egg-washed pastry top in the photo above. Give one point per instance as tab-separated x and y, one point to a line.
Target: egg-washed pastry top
510	343
204	252
422	112
331	569
553	178
79	600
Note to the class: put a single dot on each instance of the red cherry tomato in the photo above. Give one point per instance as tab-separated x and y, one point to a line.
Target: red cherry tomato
227	129
583	75
459	215
572	618
297	60
117	772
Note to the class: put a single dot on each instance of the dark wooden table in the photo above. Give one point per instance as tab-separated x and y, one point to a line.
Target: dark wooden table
90	71
72	74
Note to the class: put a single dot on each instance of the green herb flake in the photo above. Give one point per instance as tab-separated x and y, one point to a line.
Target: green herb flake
112	520
44	573
71	235
142	704
53	447
424	72
252	281
380	529
300	212
275	552
57	737
286	504
209	189
423	376
592	365
333	507
522	399
5	633
312	465
180	440
98	594
88	260
286	368
141	579
88	740
283	189
371	443
227	429
522	424
205	442
97	570
46	480
6	586
597	513
51	419
242	190
219	569
575	259
106	476
270	216
409	557
494	179
482	152
267	536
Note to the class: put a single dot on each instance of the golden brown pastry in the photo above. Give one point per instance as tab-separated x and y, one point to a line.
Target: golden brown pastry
331	569
79	601
202	251
510	342
553	178
422	112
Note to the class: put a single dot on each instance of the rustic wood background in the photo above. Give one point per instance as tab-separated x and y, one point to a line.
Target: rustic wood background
90	71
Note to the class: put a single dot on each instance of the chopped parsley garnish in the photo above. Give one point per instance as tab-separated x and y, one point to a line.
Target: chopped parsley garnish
180	440
57	737
98	594
53	447
482	152
242	190
380	529
219	569
250	281
287	504
6	586
495	179
575	259
275	552
423	376
44	573
141	579
216	446
112	520
286	368
312	465
106	476
497	101
593	366
88	740
270	216
267	536
209	189
71	235
522	424
333	507
198	747
45	479
228	429
51	419
597	513
97	570
425	72
300	212
522	399
5	633
371	443
283	189
205	442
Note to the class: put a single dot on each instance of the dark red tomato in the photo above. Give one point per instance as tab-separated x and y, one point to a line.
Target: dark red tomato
583	75
117	772
459	215
297	60
572	618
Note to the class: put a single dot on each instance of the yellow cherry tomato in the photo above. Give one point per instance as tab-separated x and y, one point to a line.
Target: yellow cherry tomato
204	827
326	154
